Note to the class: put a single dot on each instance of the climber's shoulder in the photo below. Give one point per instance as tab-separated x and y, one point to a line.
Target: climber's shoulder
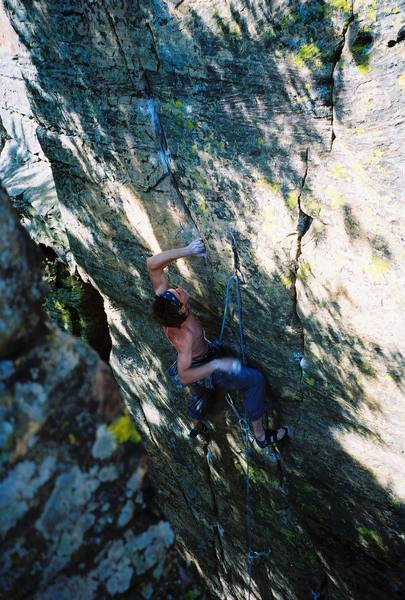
180	337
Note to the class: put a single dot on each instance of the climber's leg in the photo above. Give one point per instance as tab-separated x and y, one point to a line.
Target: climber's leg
253	384
196	406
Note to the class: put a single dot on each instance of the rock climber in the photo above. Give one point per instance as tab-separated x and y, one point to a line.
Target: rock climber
198	365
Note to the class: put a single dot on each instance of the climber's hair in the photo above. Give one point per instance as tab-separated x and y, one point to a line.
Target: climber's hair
167	313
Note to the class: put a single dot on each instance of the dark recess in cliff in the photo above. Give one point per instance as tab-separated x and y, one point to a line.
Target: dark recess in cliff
75	305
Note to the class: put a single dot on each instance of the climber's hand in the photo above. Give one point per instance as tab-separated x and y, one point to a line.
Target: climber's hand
196	248
229	365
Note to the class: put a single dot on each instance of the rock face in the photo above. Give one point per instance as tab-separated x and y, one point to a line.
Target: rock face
164	119
25	171
75	510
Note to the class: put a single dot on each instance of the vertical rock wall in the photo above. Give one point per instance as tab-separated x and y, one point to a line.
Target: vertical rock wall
76	517
283	122
25	171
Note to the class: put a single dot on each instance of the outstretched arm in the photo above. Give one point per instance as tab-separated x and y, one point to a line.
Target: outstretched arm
157	263
189	374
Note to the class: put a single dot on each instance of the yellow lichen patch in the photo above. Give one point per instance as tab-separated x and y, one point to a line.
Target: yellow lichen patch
308	54
377	267
337	171
124	430
286	280
22	444
360	131
312	206
72	438
292	200
317	230
368	9
401	83
375	157
260	141
203	208
390	10
304	271
363	69
194	148
343	5
234	29
268	214
336	199
269	185
372	15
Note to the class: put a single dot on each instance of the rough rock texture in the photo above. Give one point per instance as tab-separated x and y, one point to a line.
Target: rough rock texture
76	520
25	171
284	121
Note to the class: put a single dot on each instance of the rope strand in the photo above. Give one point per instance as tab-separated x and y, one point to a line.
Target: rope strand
248	438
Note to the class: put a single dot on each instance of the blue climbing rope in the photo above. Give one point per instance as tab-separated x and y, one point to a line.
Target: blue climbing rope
233	280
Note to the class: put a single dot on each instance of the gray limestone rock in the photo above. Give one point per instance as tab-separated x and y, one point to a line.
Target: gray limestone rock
284	122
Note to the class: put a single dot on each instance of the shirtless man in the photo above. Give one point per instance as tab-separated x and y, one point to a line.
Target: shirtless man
197	364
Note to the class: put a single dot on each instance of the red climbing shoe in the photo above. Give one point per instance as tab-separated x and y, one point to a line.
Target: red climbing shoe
273	436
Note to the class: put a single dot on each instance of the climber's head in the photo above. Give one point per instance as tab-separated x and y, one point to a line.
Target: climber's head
171	307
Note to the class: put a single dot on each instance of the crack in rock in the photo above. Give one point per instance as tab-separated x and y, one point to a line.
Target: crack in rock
155	185
304	222
336	59
164	151
156	121
153	46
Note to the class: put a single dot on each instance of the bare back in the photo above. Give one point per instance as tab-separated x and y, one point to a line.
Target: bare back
190	332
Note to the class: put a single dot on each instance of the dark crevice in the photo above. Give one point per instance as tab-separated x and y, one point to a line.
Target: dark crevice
154	186
72	13
75	305
336	59
400	37
304	222
153	47
117	39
